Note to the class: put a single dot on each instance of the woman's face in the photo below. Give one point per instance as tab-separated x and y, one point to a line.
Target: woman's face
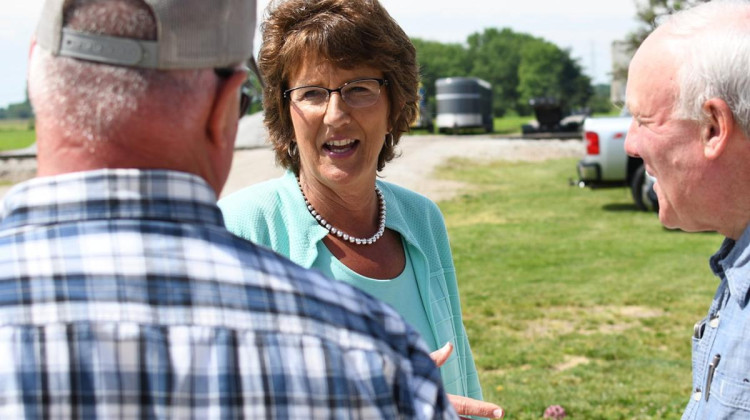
338	144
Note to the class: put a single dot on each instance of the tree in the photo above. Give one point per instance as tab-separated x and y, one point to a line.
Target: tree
517	65
539	73
495	56
650	13
600	102
576	86
521	67
437	60
21	110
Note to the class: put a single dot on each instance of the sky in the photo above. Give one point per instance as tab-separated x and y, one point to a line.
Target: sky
585	27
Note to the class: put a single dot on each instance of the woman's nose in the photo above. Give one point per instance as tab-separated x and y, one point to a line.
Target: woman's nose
337	112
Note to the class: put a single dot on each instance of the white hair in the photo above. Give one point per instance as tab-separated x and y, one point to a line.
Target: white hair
96	102
712	47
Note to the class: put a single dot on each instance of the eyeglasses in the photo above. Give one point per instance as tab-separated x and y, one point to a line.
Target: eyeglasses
358	93
225	73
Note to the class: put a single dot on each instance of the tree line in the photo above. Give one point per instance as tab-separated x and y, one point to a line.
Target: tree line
17	111
519	67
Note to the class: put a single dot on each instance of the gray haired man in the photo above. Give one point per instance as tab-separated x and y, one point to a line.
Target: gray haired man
689	93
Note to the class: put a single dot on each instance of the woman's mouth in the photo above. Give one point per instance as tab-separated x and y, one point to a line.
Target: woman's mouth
340	147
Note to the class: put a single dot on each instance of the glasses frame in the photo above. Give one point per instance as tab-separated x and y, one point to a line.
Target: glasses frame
381	83
226	73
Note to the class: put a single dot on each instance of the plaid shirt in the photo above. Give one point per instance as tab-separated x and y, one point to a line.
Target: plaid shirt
122	295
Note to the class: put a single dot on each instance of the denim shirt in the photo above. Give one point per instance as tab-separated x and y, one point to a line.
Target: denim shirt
721	341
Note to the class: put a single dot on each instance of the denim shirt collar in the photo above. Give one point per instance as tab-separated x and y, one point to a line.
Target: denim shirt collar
732	261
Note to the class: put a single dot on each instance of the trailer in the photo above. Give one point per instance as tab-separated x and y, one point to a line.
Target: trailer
463	103
551	121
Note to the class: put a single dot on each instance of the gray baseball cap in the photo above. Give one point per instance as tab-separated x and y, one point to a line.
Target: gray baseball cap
192	34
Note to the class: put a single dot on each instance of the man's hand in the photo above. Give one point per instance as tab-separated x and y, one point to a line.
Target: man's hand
466	406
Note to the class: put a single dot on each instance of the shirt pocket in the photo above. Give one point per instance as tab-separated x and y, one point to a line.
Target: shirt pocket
697	355
732	393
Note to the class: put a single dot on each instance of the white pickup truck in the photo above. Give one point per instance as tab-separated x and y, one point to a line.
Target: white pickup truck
607	164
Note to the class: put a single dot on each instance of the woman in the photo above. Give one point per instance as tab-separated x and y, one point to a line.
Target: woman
341	83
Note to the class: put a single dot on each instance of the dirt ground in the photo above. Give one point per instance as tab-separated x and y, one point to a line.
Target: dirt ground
413	169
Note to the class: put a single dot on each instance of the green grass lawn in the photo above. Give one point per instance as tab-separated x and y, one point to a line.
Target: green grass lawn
511	124
572	296
16	134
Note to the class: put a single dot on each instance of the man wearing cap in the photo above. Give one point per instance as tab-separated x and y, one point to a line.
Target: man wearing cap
122	295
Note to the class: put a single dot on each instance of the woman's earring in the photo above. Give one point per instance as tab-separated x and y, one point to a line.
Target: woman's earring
292	150
389	140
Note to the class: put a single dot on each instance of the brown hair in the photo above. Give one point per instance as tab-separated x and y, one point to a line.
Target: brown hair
348	33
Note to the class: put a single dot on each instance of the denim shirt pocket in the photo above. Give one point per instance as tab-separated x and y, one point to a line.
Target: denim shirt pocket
697	354
731	394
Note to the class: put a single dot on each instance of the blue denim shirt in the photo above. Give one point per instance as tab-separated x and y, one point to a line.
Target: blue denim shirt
721	341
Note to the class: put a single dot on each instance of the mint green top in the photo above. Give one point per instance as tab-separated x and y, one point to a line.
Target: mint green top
273	214
400	292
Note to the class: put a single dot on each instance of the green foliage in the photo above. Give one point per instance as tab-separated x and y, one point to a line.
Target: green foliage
517	65
254	90
438	60
20	110
576	86
495	57
649	14
510	124
600	102
572	296
539	70
16	134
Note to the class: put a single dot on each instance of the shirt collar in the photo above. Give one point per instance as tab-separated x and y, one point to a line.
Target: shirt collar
733	261
111	194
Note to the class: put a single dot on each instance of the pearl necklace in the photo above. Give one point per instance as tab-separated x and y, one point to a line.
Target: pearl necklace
334	231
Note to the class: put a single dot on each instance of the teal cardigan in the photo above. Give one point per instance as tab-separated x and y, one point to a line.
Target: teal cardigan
272	213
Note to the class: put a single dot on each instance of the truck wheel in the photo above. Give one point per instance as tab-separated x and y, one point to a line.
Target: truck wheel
637	188
652	198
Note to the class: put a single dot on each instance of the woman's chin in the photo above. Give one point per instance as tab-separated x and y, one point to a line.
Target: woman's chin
343	175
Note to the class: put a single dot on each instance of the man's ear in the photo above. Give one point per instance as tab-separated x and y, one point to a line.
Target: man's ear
718	129
222	122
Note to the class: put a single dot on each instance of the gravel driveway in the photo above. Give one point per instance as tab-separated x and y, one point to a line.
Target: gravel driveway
254	161
419	157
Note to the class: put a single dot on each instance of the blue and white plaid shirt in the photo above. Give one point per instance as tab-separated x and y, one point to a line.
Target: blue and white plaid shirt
122	295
